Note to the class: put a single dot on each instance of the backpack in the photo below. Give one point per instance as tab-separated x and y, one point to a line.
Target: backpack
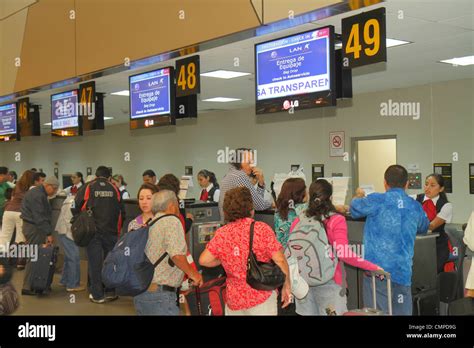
126	268
83	226
308	243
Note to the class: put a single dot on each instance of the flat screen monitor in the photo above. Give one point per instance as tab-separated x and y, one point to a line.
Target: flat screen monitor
8	122
152	98
65	115
296	71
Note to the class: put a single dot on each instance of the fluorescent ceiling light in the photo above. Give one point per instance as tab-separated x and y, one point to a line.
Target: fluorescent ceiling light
224	74
47	124
463	61
221	99
389	42
395	42
124	93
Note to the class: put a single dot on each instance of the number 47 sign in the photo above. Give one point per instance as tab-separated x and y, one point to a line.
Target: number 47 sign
364	39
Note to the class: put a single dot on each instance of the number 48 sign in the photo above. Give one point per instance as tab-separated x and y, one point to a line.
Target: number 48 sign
364	39
188	79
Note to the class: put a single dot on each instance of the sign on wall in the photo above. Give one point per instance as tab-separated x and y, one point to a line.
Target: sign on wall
336	144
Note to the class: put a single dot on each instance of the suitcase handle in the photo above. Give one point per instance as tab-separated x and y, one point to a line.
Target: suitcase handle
198	300
389	288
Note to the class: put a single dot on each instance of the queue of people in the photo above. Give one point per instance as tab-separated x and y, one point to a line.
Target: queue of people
393	219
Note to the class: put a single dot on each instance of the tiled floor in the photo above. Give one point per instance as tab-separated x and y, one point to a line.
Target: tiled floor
60	302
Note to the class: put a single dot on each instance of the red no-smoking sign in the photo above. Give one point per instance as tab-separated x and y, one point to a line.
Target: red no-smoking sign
336	144
337	141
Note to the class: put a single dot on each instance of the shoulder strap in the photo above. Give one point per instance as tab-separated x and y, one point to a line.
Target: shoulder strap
87	198
162	257
152	222
251	237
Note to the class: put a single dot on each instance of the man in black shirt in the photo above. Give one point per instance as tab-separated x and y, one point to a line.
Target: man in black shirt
109	212
36	216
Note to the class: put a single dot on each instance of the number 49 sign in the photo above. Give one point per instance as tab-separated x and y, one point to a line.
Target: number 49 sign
364	39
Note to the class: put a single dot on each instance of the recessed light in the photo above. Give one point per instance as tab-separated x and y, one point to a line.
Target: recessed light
124	93
225	74
221	99
462	61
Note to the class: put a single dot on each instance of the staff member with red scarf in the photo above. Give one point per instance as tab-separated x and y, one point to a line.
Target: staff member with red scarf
439	211
210	188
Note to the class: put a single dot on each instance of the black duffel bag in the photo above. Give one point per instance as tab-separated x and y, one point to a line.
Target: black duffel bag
83	225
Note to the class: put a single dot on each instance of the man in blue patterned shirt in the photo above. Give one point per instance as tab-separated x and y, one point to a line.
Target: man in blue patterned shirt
393	220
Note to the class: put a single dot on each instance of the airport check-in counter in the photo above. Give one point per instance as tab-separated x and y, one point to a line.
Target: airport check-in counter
424	260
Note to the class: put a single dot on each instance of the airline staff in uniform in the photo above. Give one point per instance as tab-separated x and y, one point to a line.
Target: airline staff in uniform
440	212
210	188
77	181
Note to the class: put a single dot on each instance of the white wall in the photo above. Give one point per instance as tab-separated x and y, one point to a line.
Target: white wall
445	126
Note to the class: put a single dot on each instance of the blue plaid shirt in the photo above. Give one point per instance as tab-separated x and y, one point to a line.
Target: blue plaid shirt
238	178
393	220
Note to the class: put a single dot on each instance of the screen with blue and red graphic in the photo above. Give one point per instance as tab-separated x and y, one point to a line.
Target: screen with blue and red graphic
150	94
8	119
64	110
297	64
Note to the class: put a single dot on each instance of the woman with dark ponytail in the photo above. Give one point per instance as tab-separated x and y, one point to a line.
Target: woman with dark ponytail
290	203
328	298
210	188
440	212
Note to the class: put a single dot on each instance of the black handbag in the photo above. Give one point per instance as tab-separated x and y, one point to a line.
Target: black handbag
83	226
262	275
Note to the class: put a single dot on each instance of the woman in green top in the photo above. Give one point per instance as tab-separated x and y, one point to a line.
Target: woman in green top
291	201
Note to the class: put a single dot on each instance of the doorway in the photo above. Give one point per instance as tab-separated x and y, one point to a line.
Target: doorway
370	158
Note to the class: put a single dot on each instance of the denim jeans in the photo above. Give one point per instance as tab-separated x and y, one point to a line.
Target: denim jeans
323	297
97	250
156	303
72	268
401	296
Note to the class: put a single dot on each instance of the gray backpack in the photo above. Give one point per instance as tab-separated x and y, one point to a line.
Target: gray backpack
308	243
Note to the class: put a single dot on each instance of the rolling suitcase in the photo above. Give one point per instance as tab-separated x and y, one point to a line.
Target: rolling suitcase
374	310
209	299
42	271
462	306
426	302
